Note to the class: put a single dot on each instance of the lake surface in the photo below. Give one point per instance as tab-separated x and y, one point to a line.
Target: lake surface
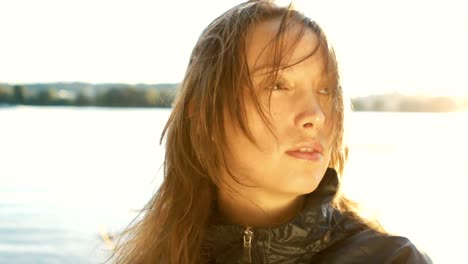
68	174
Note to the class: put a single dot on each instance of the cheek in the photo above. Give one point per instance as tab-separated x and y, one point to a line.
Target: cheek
328	128
244	157
256	122
241	148
277	111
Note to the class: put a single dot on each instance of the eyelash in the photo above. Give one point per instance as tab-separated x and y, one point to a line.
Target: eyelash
275	86
324	91
278	86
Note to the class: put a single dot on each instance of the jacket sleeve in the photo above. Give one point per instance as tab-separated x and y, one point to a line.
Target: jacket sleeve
408	253
369	247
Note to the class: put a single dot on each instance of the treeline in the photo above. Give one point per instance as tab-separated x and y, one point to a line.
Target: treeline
409	103
162	95
84	94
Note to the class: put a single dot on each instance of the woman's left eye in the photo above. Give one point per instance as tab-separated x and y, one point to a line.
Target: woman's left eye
278	86
324	91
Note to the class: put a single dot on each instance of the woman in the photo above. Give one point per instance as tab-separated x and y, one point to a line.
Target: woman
255	153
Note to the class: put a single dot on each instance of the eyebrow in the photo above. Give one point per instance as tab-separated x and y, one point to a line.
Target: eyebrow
282	67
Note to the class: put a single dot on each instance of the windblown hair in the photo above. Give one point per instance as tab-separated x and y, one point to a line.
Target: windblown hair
173	223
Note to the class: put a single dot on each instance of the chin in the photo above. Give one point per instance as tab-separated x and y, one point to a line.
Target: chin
305	183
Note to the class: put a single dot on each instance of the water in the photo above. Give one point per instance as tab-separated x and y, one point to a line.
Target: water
69	174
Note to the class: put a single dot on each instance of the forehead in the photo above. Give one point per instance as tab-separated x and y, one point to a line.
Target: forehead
294	47
263	36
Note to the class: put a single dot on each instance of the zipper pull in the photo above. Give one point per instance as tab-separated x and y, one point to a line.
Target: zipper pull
248	233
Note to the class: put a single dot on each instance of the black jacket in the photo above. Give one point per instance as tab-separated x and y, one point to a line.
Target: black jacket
318	234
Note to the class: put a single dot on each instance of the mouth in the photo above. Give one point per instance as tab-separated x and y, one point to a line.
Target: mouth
313	156
311	150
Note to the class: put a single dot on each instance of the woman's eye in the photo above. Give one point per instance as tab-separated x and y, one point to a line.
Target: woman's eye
324	91
278	86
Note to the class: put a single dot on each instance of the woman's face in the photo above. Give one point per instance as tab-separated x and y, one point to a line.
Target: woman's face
300	111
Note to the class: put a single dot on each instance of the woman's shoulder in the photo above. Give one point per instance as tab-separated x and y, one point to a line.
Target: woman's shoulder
370	246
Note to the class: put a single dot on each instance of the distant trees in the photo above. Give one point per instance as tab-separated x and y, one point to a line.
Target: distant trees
83	100
120	96
19	94
433	104
443	104
82	94
162	95
46	97
405	103
131	97
166	97
6	94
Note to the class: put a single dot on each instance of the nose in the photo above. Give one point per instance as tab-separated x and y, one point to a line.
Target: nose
312	116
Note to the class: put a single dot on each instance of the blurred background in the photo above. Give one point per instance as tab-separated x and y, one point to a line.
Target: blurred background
86	88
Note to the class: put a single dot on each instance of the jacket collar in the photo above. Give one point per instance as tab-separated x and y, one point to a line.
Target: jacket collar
306	234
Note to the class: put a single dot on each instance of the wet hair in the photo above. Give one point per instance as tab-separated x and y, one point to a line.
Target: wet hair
173	223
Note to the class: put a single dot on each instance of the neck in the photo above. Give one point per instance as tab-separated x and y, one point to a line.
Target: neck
255	207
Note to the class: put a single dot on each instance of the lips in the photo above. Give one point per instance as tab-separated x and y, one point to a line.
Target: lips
314	156
309	150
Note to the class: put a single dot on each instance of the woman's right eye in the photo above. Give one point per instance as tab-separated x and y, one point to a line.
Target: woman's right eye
277	86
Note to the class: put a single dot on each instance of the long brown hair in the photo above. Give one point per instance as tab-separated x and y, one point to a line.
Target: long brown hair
173	223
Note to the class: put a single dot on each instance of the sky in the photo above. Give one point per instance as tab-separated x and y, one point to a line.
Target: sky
406	46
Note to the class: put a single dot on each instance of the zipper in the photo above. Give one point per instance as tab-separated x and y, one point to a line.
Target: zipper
247	246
